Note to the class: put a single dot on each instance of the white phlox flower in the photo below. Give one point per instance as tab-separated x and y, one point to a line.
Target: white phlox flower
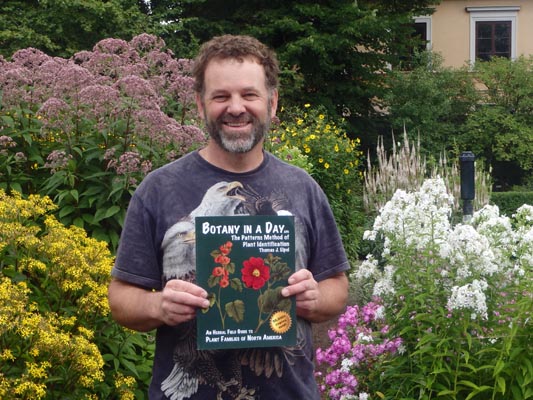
471	297
385	285
524	216
346	364
367	269
416	219
499	231
361	337
380	313
525	248
470	252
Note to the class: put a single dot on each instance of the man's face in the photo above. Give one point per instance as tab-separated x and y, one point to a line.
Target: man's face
236	104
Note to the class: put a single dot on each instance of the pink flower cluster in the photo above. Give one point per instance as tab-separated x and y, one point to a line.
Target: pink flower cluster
129	91
358	341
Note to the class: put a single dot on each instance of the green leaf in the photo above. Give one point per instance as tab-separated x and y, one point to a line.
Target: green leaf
213	280
477	391
67	210
235	310
236	284
500	384
112	211
74	193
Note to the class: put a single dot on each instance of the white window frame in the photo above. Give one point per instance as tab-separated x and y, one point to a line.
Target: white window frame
426	20
494	13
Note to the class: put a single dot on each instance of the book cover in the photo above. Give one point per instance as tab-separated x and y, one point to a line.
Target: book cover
243	262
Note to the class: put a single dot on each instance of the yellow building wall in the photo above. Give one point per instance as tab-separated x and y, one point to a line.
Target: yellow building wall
450	28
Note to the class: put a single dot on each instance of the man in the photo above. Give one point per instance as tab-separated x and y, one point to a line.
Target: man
154	274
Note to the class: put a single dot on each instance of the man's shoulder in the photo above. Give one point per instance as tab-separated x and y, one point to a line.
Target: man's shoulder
179	168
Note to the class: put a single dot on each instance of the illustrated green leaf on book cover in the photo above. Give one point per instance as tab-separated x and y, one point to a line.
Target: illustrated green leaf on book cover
243	262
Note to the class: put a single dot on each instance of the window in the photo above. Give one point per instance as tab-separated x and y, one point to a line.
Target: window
422	26
421	41
493	38
493	32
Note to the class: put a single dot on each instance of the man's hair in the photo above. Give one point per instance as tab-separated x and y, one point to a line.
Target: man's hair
236	47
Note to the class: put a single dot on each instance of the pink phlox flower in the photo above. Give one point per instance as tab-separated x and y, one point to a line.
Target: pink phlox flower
343	383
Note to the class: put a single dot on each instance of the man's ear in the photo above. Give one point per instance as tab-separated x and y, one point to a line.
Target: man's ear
199	105
274	102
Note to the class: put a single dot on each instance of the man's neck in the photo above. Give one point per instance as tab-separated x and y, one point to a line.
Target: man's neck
232	162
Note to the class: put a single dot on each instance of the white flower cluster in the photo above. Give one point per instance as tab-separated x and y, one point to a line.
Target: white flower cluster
414	219
470	296
360	396
466	260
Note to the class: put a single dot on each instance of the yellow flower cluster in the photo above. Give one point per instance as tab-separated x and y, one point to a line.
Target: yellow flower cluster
45	313
125	386
326	144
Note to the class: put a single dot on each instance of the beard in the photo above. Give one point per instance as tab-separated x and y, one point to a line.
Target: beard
240	142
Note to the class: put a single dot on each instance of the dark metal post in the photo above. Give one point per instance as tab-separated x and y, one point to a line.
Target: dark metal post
468	185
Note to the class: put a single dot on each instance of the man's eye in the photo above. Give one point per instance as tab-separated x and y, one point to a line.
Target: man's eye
220	98
250	95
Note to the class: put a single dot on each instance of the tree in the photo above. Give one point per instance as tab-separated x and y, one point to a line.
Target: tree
500	128
431	102
330	51
63	27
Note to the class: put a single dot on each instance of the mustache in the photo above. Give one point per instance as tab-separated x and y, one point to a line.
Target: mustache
244	117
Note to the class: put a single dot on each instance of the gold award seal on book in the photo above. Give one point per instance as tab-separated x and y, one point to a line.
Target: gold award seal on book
280	322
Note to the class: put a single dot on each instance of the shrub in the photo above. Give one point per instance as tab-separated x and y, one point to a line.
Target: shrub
56	336
509	202
333	159
460	299
86	130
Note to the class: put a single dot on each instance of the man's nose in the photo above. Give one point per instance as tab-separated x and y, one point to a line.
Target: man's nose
236	105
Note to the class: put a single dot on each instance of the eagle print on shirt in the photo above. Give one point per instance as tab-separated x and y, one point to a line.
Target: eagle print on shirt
220	369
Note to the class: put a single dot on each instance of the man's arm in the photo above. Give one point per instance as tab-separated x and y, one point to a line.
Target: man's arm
317	301
143	310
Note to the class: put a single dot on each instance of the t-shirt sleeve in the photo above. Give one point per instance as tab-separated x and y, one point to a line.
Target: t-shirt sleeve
137	256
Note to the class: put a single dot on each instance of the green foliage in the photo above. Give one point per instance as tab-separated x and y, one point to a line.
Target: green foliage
64	27
430	101
487	111
335	161
56	335
509	202
501	128
85	131
329	50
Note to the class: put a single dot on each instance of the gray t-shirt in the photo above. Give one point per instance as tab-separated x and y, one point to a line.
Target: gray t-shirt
162	211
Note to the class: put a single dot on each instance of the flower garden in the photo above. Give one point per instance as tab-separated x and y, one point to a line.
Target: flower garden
444	311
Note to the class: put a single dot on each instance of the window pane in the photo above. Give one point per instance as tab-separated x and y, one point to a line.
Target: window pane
493	38
484	30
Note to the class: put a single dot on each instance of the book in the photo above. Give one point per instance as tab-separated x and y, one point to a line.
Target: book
243	262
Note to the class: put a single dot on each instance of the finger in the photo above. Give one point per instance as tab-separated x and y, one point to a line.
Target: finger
186	300
187	287
300	275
